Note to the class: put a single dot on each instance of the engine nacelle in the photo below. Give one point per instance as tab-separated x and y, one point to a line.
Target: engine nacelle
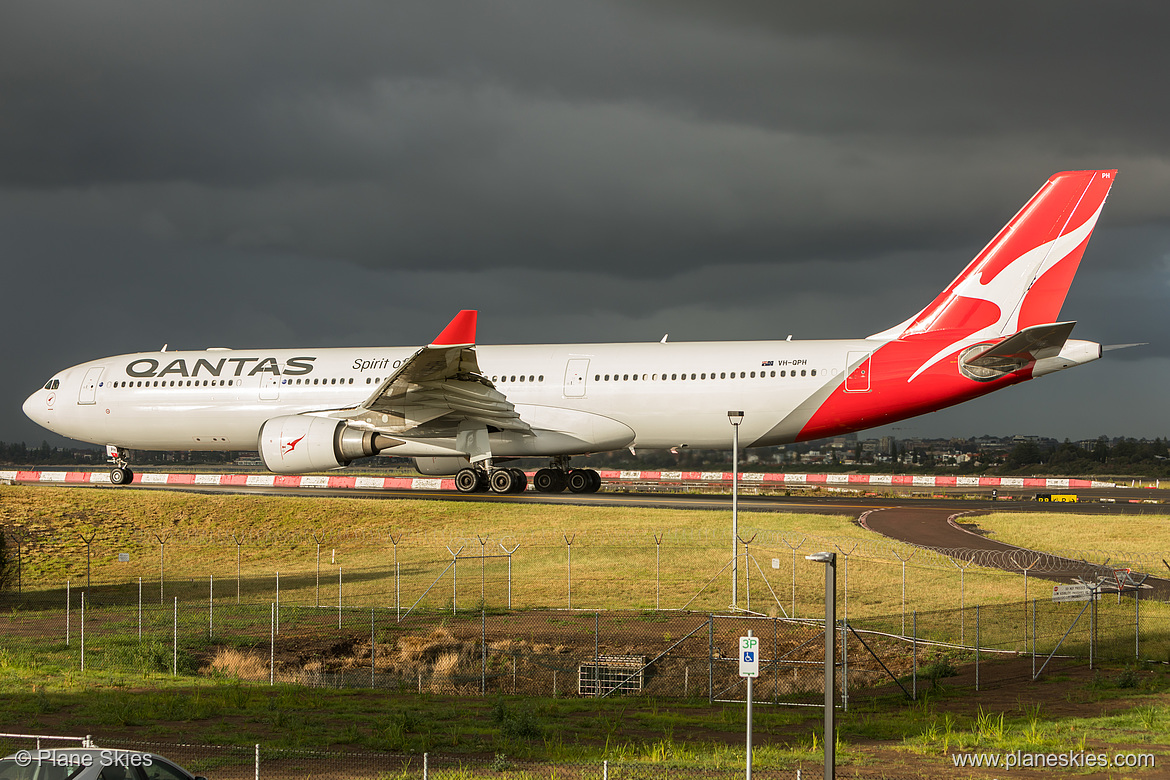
297	443
441	466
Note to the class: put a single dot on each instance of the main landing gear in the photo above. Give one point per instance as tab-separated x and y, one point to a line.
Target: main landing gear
548	480
500	480
120	474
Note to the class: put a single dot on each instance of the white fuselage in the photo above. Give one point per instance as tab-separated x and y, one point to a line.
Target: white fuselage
668	395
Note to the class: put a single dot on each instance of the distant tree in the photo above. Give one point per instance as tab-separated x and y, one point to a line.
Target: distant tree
1025	453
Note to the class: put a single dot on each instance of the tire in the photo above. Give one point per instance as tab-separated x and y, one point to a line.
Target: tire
502	481
520	480
595	480
119	476
579	481
549	481
468	481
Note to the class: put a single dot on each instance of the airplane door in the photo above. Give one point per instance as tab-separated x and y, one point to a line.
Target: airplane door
576	372
88	394
269	387
858	379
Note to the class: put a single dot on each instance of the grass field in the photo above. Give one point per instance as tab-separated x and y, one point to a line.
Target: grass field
1146	536
614	564
889	737
614	560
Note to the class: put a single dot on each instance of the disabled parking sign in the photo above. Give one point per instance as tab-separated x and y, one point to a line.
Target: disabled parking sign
749	656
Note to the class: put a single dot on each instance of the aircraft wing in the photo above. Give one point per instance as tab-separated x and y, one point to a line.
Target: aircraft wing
1026	346
440	390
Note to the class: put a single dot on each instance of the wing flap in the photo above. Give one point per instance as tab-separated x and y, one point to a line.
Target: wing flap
439	390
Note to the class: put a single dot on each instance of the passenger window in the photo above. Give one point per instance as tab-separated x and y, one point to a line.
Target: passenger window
803	372
814	372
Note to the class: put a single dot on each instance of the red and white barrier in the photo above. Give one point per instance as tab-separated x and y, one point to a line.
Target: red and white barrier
617	477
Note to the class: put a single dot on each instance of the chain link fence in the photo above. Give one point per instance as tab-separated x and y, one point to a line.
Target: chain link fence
672	569
676	654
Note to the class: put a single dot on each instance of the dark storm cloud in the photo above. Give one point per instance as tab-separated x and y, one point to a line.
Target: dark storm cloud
640	140
284	173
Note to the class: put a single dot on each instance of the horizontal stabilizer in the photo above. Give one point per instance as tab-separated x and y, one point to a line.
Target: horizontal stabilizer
1019	349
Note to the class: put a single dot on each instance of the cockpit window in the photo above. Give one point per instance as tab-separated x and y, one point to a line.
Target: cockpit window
52	384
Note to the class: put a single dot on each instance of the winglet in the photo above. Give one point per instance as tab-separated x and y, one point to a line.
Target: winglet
459	332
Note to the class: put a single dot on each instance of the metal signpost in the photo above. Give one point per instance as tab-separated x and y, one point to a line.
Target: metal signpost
749	667
830	561
735	417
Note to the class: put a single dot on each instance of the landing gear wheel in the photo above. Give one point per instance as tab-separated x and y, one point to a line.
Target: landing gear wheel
595	480
549	481
469	481
120	476
520	480
579	481
502	481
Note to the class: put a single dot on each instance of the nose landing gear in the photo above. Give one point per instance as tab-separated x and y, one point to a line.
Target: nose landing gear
120	474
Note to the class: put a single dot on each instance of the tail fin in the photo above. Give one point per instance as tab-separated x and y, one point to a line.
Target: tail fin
1021	278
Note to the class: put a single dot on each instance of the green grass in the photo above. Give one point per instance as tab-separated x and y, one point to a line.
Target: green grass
128	686
614	555
639	730
1093	536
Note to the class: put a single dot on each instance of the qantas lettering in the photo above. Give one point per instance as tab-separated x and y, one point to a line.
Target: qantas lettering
148	367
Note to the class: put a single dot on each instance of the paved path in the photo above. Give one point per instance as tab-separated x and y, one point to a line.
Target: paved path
953	532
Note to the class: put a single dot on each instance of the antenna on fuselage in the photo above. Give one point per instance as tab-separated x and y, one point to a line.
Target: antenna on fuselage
664	337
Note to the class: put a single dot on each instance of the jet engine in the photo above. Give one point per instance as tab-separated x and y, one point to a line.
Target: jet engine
297	443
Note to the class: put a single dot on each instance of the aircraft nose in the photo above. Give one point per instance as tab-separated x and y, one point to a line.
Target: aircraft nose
36	406
27	408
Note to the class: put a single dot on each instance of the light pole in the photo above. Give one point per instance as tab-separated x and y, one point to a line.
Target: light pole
735	417
830	561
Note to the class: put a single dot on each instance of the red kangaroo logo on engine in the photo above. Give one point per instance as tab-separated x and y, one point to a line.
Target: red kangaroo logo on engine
288	447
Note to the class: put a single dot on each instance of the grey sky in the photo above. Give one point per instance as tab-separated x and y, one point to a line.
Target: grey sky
282	173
